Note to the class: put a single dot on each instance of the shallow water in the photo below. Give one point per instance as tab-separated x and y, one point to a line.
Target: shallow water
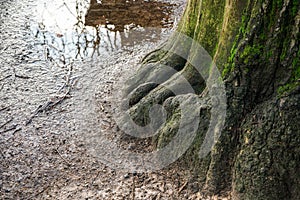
45	43
82	29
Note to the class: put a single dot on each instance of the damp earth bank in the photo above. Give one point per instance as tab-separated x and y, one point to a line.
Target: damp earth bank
59	62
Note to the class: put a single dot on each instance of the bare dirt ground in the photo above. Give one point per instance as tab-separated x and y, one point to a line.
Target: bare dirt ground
42	120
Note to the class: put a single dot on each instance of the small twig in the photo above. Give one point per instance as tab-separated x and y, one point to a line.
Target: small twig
41	191
67	79
52	46
94	179
6	77
48	106
69	9
70	164
69	74
4	108
98	173
58	99
4	49
157	196
19	76
182	187
17	130
5	123
133	188
2	154
9	129
22	77
164	186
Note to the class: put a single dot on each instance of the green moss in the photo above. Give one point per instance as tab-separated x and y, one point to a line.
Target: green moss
189	20
285	46
276	5
294	81
227	69
296	68
269	54
295	7
243	28
229	66
210	26
251	52
285	89
282	56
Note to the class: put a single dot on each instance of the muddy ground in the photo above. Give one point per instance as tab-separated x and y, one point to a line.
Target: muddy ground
48	98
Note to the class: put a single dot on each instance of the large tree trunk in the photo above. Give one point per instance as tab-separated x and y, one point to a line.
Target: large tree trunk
255	44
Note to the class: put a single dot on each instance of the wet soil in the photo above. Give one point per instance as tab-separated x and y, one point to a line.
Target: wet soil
52	77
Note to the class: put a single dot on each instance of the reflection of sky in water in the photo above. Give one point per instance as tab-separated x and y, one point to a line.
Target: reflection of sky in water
62	36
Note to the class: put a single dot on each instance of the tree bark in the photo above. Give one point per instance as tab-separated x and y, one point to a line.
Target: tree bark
255	44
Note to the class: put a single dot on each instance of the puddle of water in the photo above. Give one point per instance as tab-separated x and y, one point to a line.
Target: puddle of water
80	29
123	15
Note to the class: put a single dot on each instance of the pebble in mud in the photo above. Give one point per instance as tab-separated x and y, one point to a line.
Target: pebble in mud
126	176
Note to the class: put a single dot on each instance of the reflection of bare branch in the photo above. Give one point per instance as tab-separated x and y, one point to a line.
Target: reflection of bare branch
124	12
115	40
82	33
57	46
81	41
109	40
69	9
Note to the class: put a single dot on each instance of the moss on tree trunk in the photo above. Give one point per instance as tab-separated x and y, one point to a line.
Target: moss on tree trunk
255	45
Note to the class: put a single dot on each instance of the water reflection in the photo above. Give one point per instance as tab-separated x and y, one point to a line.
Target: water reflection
78	29
125	14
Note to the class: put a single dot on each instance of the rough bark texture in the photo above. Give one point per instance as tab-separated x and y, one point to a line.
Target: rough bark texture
256	46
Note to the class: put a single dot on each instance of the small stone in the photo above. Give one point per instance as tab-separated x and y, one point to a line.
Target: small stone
126	176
